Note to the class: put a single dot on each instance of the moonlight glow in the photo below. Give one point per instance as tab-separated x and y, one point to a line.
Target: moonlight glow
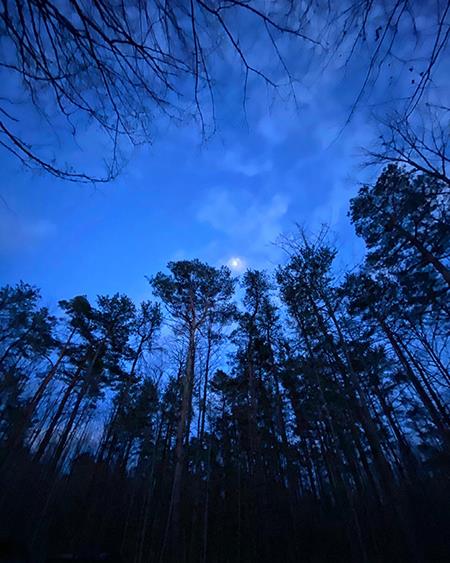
237	264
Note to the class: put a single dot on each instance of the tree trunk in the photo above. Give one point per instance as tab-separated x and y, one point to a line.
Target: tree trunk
356	397
205	387
426	254
174	519
31	407
413	379
62	441
55	419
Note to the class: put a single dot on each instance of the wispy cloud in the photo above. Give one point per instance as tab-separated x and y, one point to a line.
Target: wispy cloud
235	161
18	233
246	227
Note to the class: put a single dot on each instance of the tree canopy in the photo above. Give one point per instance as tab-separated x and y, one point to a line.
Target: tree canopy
121	69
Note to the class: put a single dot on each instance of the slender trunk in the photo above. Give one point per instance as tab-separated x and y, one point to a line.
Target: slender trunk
174	519
144	529
430	389
32	405
45	382
109	441
413	378
406	453
126	455
356	396
14	344
206	511
136	357
205	386
63	439
81	394
203	393
434	357
56	417
428	256
328	418
108	438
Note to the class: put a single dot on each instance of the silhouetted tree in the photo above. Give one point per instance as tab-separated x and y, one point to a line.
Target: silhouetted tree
309	420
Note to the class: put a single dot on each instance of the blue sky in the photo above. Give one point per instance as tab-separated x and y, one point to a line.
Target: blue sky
177	199
183	197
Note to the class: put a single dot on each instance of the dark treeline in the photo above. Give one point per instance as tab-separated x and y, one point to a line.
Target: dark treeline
298	416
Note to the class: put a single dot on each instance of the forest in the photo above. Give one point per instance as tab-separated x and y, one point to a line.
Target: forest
293	415
296	413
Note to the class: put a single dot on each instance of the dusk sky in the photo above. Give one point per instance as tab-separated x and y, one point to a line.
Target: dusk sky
226	197
224	281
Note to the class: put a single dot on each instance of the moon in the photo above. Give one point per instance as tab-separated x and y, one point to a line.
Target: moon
235	263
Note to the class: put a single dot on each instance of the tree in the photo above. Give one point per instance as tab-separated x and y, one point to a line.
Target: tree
191	293
308	420
27	341
404	220
421	145
143	328
94	361
378	303
25	328
306	281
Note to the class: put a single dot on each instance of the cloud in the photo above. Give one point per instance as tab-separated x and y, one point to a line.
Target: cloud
18	234
238	213
274	128
332	209
246	226
234	161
